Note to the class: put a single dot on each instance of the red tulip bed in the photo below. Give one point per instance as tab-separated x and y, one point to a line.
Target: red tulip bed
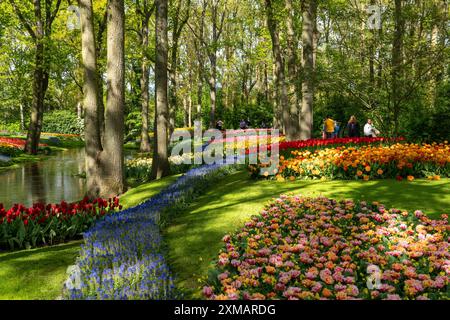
15	142
13	146
318	248
313	144
22	227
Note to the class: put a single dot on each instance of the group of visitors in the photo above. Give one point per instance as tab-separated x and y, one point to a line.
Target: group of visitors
243	125
331	128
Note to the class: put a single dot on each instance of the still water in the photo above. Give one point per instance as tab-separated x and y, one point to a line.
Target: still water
49	181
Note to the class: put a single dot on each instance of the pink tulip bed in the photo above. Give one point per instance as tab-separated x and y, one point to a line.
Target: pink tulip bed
319	248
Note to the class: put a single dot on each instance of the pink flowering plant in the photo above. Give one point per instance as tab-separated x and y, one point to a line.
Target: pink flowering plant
318	248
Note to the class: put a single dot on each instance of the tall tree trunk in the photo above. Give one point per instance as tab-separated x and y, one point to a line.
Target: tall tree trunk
99	49
266	83
160	167
37	108
185	109
173	99
397	62
280	82
79	110
22	117
90	101
294	125
212	90
199	94
173	72
277	123
189	110
380	63
213	61
113	161
306	119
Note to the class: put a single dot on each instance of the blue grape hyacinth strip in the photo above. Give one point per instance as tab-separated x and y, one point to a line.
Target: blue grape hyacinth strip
122	256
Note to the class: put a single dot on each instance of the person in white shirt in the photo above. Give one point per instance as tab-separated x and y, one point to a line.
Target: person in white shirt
370	130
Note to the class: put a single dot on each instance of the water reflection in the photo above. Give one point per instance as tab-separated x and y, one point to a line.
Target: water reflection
37	187
48	181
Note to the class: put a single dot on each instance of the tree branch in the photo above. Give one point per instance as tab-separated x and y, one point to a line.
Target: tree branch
23	20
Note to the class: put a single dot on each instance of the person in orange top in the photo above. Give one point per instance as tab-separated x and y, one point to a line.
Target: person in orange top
329	127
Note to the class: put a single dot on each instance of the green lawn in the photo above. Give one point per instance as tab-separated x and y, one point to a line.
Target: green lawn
145	191
194	238
37	273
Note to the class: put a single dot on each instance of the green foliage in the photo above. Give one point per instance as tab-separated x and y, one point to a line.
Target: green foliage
9	151
133	126
13	127
341	108
428	126
258	112
62	121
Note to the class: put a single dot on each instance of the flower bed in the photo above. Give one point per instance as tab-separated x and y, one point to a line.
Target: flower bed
367	162
122	255
312	143
13	147
64	135
285	147
22	227
15	142
141	168
317	248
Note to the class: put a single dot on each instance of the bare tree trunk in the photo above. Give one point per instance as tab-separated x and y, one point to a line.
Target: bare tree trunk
306	118
294	125
280	82
79	110
99	53
173	99
397	62
199	94
185	109
216	32
277	123
22	117
160	167
145	73
266	83
380	64
40	32
189	110
90	102
145	140
212	91
37	108
112	157
176	33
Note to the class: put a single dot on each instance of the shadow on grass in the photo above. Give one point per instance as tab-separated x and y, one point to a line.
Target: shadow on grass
145	191
36	274
194	238
13	255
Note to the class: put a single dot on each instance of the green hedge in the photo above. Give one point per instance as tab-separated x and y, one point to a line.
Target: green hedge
62	121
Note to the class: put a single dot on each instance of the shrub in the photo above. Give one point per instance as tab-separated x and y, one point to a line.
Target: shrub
62	121
11	127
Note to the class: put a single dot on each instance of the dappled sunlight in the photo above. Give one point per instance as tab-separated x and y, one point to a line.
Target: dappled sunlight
236	198
318	248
